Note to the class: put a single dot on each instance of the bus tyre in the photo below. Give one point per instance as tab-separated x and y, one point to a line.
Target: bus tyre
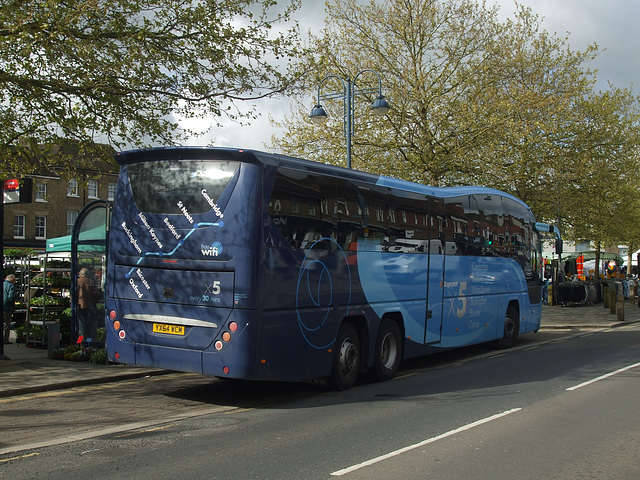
388	352
511	329
346	358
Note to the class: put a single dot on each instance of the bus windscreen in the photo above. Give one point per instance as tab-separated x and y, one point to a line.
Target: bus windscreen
164	187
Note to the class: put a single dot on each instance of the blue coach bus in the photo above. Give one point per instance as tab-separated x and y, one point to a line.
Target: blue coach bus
243	264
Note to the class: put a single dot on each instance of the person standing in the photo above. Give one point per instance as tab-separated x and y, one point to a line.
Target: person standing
9	294
86	304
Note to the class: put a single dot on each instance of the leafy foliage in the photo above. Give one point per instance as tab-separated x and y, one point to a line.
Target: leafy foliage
81	353
477	100
122	72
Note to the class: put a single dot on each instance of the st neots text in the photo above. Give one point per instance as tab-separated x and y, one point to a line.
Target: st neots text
184	211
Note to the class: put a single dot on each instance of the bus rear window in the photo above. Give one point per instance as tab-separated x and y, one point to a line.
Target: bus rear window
163	187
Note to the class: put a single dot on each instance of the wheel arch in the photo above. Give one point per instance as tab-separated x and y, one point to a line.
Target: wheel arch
514	304
511	326
398	319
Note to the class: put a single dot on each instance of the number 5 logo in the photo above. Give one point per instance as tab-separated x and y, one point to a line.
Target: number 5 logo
213	289
462	308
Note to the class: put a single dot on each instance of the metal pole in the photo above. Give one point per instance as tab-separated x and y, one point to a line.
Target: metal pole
349	119
2	355
349	91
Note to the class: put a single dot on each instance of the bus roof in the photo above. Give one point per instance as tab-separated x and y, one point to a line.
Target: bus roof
256	156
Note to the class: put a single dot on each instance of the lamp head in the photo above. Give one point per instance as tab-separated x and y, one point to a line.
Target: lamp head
380	106
318	115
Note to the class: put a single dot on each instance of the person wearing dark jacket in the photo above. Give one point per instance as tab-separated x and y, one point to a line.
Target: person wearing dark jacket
9	294
86	306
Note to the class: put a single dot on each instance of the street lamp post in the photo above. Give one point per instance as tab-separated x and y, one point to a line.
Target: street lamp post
379	107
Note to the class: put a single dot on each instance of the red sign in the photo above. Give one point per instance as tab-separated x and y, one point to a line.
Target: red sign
13	184
16	191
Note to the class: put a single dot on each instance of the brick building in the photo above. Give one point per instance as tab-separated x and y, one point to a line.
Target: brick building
55	203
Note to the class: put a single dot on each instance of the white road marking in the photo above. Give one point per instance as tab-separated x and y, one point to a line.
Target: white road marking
602	377
421	444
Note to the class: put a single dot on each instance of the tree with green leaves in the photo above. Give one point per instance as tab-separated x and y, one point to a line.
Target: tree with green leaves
599	184
475	100
554	141
122	72
427	53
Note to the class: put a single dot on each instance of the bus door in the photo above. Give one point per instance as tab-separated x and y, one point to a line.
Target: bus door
435	271
89	260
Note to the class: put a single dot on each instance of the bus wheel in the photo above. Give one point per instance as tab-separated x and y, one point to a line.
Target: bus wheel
511	329
346	358
388	352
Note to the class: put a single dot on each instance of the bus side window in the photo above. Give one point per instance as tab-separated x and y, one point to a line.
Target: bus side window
365	228
486	213
300	208
409	229
456	224
520	222
349	214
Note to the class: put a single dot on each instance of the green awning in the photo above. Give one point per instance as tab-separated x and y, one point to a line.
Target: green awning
59	244
63	244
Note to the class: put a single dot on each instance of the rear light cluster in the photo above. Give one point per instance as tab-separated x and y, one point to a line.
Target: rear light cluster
226	336
117	326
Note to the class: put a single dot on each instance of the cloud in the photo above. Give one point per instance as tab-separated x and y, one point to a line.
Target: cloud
612	25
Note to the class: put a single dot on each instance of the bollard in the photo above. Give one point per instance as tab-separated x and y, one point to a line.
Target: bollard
550	296
620	308
53	332
612	301
605	296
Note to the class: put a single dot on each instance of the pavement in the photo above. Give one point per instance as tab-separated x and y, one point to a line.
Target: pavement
28	369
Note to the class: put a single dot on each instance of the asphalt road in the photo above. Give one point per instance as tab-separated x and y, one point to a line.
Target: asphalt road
560	405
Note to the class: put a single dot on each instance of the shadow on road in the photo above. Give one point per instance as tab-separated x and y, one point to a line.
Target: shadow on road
435	377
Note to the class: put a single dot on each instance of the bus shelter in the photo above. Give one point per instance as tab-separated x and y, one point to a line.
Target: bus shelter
87	246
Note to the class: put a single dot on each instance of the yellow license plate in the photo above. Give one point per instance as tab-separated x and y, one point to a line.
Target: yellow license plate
170	329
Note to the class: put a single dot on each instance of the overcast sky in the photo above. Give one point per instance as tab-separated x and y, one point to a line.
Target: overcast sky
612	24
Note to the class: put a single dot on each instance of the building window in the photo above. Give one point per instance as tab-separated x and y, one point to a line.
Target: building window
71	219
41	227
41	192
92	189
379	213
112	191
18	226
72	189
